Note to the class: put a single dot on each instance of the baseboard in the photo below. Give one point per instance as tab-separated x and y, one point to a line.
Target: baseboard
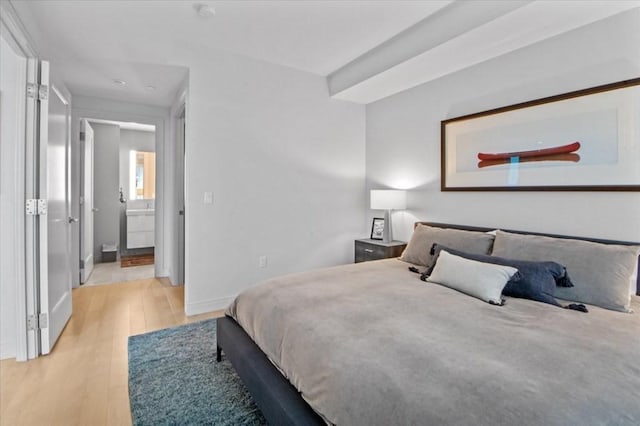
210	305
86	268
7	350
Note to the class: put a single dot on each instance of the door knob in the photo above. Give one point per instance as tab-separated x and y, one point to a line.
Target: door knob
73	219
95	209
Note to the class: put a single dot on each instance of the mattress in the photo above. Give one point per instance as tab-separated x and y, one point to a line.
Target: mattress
371	344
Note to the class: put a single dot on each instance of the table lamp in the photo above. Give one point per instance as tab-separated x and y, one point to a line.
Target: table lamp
387	200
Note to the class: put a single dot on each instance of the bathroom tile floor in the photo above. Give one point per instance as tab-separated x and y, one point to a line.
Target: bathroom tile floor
111	272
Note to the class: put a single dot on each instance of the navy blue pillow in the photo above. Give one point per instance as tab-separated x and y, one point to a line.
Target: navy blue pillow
538	280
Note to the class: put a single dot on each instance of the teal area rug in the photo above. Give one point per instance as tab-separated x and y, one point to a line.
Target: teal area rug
174	379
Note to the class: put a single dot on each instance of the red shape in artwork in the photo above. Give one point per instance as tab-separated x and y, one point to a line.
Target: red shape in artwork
563	149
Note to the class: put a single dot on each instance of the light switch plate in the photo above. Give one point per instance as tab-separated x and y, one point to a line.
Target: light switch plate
208	197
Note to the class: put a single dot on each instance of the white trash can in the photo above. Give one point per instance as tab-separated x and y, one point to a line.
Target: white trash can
109	252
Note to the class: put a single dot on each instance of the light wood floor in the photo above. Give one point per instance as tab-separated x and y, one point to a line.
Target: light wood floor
84	380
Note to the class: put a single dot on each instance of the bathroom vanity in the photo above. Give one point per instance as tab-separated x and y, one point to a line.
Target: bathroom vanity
140	223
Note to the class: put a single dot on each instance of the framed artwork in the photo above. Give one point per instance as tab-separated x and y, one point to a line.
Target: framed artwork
588	140
377	228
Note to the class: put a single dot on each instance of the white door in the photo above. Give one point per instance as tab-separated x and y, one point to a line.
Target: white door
54	224
86	201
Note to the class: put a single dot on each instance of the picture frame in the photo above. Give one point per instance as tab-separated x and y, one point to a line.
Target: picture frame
579	141
377	228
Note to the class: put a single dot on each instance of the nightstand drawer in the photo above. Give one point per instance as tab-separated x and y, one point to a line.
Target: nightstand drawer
373	250
366	252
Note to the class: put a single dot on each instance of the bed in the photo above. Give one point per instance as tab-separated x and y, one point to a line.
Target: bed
371	343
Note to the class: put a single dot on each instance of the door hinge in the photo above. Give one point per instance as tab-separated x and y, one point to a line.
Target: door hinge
36	206
36	322
43	92
43	321
82	136
32	89
32	322
37	91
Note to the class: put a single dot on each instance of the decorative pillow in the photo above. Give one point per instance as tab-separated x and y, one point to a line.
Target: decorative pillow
600	272
538	280
482	280
418	250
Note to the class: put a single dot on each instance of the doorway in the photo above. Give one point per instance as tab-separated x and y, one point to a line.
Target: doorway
36	219
25	259
121	176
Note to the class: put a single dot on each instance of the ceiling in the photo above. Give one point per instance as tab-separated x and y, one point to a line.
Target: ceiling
141	42
370	49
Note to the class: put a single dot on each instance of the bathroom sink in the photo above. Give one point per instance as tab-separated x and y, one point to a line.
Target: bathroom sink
140	212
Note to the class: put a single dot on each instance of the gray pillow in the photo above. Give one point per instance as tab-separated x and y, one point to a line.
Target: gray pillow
600	272
478	279
418	250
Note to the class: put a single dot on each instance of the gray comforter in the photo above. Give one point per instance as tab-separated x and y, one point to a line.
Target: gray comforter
371	344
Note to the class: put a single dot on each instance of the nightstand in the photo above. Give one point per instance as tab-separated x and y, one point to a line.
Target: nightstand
368	249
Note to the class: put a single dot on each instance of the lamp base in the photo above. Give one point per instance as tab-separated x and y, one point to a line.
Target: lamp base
387	234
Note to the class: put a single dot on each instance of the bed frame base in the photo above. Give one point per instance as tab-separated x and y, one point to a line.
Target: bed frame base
279	401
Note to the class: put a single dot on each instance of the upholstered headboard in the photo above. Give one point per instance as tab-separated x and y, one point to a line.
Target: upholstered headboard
484	229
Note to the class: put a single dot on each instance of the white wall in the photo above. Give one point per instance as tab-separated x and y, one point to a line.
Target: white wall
12	77
285	164
403	135
106	176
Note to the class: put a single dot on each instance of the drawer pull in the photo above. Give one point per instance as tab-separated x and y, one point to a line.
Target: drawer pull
368	250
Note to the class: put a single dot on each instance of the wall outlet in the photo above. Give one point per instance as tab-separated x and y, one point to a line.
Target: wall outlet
262	261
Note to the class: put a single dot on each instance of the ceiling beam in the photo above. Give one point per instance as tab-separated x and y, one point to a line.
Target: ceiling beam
458	36
451	21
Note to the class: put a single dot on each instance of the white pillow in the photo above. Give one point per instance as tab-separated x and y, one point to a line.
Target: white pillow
482	280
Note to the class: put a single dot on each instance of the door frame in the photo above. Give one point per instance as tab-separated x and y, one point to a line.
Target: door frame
100	109
180	200
15	34
82	201
179	114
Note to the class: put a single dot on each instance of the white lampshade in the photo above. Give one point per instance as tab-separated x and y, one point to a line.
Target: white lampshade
388	199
